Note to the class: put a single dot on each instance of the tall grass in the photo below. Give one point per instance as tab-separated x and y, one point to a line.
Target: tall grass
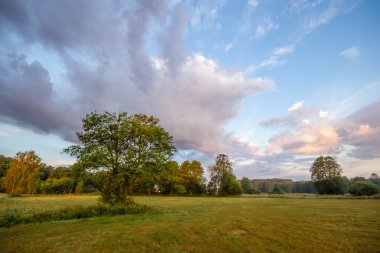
11	217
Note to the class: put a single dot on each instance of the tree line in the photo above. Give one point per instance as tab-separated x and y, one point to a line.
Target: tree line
121	154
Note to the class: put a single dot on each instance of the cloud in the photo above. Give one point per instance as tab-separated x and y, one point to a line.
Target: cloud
310	131
295	106
351	52
264	28
288	49
362	131
117	57
326	12
323	114
253	3
204	15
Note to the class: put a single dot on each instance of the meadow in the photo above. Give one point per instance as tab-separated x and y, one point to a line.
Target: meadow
294	223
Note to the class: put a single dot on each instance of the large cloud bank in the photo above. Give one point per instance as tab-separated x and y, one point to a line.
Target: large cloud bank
60	60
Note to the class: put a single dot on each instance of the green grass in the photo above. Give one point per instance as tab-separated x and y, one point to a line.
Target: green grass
201	224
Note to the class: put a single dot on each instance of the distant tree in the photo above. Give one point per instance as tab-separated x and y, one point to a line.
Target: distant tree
267	186
361	188
122	148
277	190
222	164
63	185
229	185
374	178
357	179
23	173
191	176
247	185
326	175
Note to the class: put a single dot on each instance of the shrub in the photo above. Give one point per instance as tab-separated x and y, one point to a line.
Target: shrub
361	188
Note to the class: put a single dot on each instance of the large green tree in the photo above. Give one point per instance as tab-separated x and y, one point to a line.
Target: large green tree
123	148
326	174
23	173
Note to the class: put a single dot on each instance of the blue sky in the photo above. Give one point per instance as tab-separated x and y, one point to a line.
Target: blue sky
273	84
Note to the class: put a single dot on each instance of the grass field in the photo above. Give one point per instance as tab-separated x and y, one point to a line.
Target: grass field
202	224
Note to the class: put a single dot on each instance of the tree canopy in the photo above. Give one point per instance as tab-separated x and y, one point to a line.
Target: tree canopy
326	175
124	147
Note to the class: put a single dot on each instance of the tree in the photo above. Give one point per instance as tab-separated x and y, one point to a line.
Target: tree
326	176
229	185
122	148
222	179
168	179
4	165
222	164
361	188
246	185
23	173
191	176
374	178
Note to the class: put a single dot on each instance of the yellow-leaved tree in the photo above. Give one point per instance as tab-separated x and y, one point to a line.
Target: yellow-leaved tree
23	173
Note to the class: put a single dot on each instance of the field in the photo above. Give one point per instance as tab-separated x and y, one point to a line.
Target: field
202	224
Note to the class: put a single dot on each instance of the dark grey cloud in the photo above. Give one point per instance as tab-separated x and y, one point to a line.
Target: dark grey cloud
26	95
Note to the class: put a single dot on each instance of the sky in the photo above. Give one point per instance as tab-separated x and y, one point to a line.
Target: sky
272	84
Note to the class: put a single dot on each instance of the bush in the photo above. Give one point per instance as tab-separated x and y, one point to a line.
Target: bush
361	188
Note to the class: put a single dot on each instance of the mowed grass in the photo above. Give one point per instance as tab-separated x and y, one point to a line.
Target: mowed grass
202	224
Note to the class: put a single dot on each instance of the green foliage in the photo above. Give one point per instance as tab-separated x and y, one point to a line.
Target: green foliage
336	185
229	185
191	176
361	188
326	175
168	179
374	178
55	186
304	187
222	165
247	186
129	147
12	217
277	190
22	174
180	189
4	165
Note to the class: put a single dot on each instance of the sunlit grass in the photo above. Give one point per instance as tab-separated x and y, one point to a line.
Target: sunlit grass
203	224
